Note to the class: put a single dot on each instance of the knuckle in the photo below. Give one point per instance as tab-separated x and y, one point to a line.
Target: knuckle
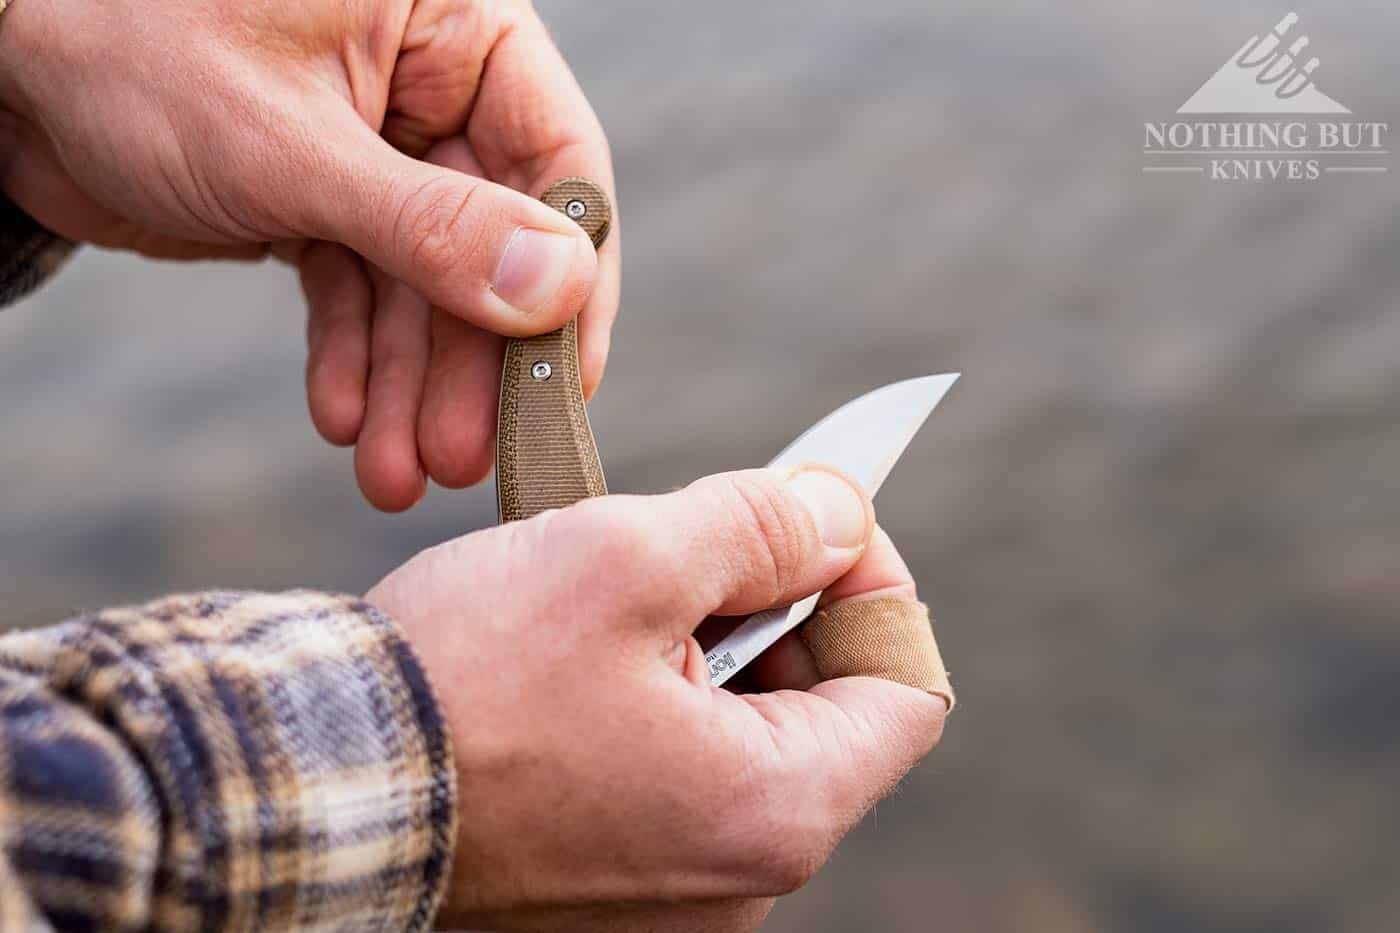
772	539
437	227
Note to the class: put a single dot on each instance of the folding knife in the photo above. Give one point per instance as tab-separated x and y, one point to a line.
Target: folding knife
546	457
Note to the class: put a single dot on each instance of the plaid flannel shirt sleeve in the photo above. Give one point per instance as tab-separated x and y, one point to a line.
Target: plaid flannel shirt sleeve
222	761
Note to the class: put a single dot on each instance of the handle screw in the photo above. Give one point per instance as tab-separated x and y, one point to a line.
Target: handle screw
575	209
541	371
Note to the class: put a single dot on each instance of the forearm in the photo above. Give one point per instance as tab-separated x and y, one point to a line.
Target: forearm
230	760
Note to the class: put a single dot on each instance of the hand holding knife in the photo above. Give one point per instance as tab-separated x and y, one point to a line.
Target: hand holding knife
546	458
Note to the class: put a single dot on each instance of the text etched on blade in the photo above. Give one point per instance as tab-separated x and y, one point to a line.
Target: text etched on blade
721	663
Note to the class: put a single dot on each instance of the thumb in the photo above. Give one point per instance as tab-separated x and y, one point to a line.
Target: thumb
490	255
725	545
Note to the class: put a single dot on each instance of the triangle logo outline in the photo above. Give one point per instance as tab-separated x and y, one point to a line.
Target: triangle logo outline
1268	74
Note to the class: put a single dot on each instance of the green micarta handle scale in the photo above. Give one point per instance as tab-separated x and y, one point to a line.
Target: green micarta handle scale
545	454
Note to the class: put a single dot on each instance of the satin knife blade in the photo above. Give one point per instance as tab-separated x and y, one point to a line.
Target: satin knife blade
864	439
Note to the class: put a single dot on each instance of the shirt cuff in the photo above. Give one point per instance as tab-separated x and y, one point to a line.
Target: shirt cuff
300	761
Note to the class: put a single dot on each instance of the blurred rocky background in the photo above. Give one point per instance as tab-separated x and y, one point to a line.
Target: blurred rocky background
1159	519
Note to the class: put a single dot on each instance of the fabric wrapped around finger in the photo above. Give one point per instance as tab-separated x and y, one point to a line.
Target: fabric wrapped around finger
888	637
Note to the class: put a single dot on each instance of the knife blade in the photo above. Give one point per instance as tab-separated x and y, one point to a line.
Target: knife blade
864	439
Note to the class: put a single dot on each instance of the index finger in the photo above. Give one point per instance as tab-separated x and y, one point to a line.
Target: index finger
817	761
532	126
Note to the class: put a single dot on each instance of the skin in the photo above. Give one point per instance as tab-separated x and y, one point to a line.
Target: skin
603	783
389	149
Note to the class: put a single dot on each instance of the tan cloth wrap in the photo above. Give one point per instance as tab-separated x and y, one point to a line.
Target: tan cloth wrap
890	638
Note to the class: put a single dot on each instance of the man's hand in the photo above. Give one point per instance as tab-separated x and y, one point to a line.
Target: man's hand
390	148
603	783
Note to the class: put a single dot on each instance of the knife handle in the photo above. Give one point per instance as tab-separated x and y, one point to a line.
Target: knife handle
546	457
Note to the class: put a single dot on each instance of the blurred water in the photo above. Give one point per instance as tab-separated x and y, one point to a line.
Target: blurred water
1159	519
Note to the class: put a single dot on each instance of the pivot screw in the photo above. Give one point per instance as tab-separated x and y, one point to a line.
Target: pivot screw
576	209
541	371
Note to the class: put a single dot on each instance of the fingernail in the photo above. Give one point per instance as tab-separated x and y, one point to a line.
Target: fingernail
533	266
841	513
